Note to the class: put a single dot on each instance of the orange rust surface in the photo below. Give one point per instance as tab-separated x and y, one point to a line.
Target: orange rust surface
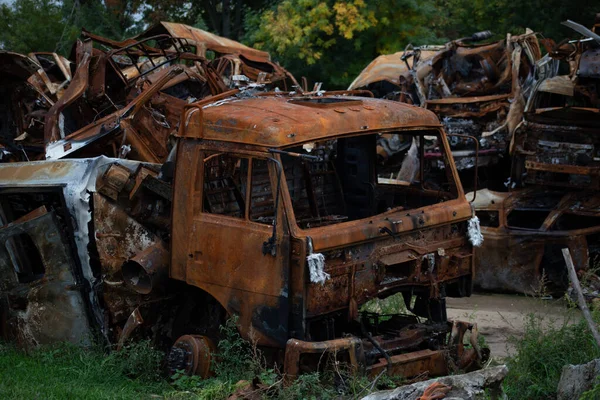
279	121
210	41
387	67
34	171
430	362
223	255
512	257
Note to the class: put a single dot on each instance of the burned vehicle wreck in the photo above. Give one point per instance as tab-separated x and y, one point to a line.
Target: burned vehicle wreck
276	213
524	233
122	99
478	91
554	200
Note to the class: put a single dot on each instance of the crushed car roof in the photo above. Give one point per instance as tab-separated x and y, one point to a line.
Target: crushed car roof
274	121
207	40
387	67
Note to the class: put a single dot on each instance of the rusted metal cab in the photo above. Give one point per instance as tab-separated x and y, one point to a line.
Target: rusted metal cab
283	213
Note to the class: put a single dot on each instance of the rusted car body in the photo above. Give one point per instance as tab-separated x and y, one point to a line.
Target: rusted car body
234	62
122	99
66	236
478	90
524	233
555	156
277	213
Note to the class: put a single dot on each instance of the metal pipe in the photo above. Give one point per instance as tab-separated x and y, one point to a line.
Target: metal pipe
148	269
476	158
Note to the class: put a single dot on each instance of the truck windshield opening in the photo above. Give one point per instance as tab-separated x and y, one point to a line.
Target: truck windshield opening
358	177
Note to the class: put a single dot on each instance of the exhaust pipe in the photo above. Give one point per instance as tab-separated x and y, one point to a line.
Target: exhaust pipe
148	269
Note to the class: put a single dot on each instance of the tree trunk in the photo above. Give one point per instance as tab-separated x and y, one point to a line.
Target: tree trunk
237	32
226	13
213	15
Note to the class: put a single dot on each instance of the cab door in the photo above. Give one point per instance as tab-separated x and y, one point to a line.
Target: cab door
229	232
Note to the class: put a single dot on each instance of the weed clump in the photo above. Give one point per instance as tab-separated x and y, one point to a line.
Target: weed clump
536	366
67	371
242	369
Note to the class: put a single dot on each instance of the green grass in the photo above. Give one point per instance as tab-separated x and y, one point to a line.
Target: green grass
535	367
70	372
390	305
67	371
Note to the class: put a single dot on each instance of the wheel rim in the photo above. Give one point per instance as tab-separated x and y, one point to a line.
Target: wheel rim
192	354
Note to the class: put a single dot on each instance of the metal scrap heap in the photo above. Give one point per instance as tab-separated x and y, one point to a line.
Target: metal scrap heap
554	200
121	99
153	187
477	90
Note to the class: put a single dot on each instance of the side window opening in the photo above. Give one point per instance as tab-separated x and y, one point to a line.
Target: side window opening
227	179
25	257
225	182
488	218
262	204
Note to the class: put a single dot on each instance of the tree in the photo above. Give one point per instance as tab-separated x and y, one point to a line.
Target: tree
49	25
334	40
112	18
464	17
223	17
30	25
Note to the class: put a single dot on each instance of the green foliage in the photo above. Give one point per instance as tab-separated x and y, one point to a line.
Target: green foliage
238	359
390	305
67	371
333	40
593	393
30	25
207	389
534	370
138	360
307	386
51	25
463	18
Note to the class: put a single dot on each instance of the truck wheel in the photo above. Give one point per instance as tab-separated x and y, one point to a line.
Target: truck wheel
192	354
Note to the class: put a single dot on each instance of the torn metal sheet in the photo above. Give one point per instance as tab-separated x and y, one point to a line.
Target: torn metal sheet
63	249
121	99
557	143
553	196
42	301
524	232
387	69
475	89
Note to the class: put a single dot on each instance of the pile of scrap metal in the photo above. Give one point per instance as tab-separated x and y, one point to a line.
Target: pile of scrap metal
121	99
554	200
66	236
275	214
478	90
154	186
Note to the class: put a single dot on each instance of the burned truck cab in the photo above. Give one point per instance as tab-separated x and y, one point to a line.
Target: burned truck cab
284	214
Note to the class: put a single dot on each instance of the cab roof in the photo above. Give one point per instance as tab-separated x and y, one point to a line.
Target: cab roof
281	121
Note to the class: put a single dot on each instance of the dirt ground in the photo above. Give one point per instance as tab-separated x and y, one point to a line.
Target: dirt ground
500	316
